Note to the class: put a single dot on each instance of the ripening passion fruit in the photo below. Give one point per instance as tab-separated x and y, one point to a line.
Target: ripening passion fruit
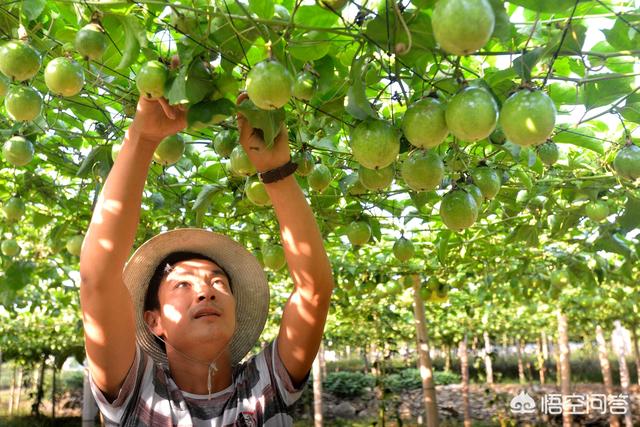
376	179
23	103
170	150
91	41
239	162
528	117
375	144
256	192
64	77
424	123
462	26
472	114
627	162
273	256
18	60
151	79
548	153
305	86
319	178
403	249
458	210
423	170
18	151
13	209
487	180
269	85
358	233
10	248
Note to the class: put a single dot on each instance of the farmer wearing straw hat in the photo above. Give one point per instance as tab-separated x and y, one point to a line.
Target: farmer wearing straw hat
166	338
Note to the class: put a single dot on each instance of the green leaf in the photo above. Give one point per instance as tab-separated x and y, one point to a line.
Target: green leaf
205	197
631	109
40	219
622	36
17	275
580	137
177	88
630	219
206	113
604	92
263	8
98	154
442	246
315	16
551	6
357	102
269	122
611	243
131	49
31	9
199	81
503	28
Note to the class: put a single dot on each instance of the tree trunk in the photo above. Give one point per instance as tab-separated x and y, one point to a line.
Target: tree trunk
424	358
540	359
89	406
365	359
521	375
464	368
13	388
618	341
606	370
636	353
447	358
487	358
323	363
35	408
53	392
565	367
18	389
317	389
545	345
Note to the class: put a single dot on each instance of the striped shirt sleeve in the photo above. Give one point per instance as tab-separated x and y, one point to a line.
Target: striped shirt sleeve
287	390
113	411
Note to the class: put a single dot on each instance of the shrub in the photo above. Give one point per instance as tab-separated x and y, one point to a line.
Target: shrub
348	384
409	379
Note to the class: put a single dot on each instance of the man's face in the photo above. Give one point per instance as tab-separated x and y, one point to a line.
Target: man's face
196	306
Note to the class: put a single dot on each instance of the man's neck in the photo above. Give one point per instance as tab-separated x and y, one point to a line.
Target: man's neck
191	376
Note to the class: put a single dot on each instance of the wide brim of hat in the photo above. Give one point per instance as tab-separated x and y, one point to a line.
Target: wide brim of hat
248	280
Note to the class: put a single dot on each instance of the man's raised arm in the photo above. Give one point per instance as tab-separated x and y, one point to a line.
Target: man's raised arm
106	305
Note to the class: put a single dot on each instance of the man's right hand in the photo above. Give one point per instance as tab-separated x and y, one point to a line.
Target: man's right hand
156	119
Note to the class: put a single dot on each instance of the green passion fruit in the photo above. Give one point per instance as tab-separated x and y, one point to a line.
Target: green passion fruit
403	249
91	41
597	210
528	117
239	162
10	248
18	60
358	233
256	192
151	79
548	153
475	192
462	26
273	257
627	162
319	178
170	150
305	86
375	144
74	245
224	143
305	162
423	170
23	103
424	123
458	210
487	180
64	77
472	114
269	85
376	179
13	209
18	151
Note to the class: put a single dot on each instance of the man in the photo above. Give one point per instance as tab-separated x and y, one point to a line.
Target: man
165	335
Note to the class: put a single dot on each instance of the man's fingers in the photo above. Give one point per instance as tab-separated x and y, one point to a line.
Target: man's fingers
242	97
168	110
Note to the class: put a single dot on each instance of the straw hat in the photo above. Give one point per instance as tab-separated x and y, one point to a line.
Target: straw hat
248	280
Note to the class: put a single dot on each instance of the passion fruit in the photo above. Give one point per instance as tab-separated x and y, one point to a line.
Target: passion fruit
375	144
18	60
424	124
269	85
462	26
74	245
305	162
64	77
376	179
10	248
472	114
18	151
91	41
597	210
305	86
358	233
319	178
256	192
224	143
458	210
151	79
239	162
170	150
548	153
528	117
273	257
23	103
13	209
627	162
403	249
487	180
423	170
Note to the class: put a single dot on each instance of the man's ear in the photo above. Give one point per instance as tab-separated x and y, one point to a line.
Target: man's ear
152	319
